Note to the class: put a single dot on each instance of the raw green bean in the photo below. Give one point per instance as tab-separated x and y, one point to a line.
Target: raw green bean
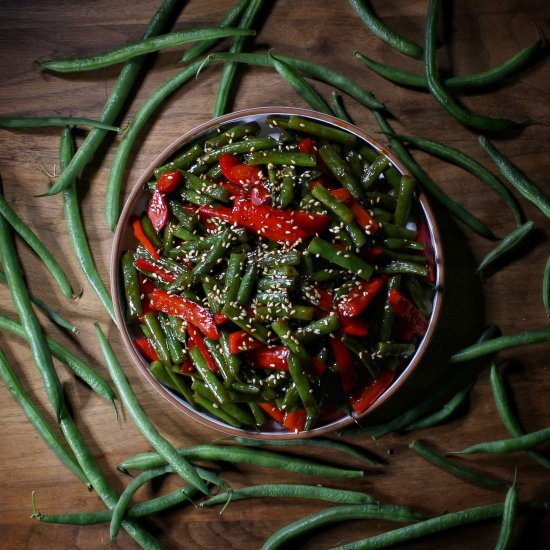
425	451
40	122
501	343
546	288
382	31
438	91
337	514
230	20
508	243
300	85
508	517
115	103
181	466
114	184
34	242
338	107
37	419
35	336
516	177
242	455
467	82
75	228
135	49
275	490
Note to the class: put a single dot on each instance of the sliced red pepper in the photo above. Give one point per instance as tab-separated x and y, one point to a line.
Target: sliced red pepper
143	239
270	357
243	174
187	367
168	183
193	313
206	211
158	211
143	264
220	318
312	222
145	309
354	326
317	366
344	363
341	194
359	297
198	341
363	399
307	145
235	190
146	349
260	195
363	218
324	297
295	421
371	254
424	237
242	341
146	286
408	312
272	411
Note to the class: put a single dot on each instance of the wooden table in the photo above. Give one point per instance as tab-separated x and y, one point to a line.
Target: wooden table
477	36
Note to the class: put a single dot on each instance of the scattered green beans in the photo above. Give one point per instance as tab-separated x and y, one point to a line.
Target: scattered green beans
338	107
135	49
517	178
382	31
40	122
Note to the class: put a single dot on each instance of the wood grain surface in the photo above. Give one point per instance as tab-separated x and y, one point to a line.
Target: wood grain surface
474	36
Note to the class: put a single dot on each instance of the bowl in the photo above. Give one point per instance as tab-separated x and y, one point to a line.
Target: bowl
124	240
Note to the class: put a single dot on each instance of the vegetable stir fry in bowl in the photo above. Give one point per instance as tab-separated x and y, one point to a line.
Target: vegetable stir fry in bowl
276	273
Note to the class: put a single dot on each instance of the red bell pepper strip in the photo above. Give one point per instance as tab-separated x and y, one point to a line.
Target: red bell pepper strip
341	194
206	211
242	341
359	297
143	264
307	145
168	183
142	238
363	399
187	367
423	237
344	363
312	222
272	411
270	357
236	191
197	339
146	286
243	174
324	296
363	218
408	312
193	313
158	211
353	326
317	366
295	421
146	349
260	195
220	318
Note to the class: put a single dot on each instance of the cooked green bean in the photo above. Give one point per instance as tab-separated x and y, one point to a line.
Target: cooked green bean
516	177
321	193
181	466
504	409
382	31
438	91
425	451
212	381
301	380
508	243
228	453
341	170
26	233
508	517
135	49
37	419
40	122
114	184
115	103
337	514
501	343
76	231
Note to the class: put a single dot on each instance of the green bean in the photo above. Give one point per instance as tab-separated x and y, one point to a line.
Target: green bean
437	524
37	419
303	386
300	85
34	242
115	103
152	330
211	380
171	379
238	147
168	87
182	162
239	316
40	122
508	517
467	82
233	133
314	70
242	455
425	451
321	193
433	190
508	243
382	31
400	266
228	74
404	200
438	91
35	336
338	107
275	490
135	49
467	163
337	514
247	282
516	177
373	171
323	326
232	280
47	310
546	288
501	343
504	409
216	410
230	20
282	157
181	466
341	170
75	228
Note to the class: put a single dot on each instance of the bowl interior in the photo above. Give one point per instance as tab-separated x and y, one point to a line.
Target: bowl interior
125	240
